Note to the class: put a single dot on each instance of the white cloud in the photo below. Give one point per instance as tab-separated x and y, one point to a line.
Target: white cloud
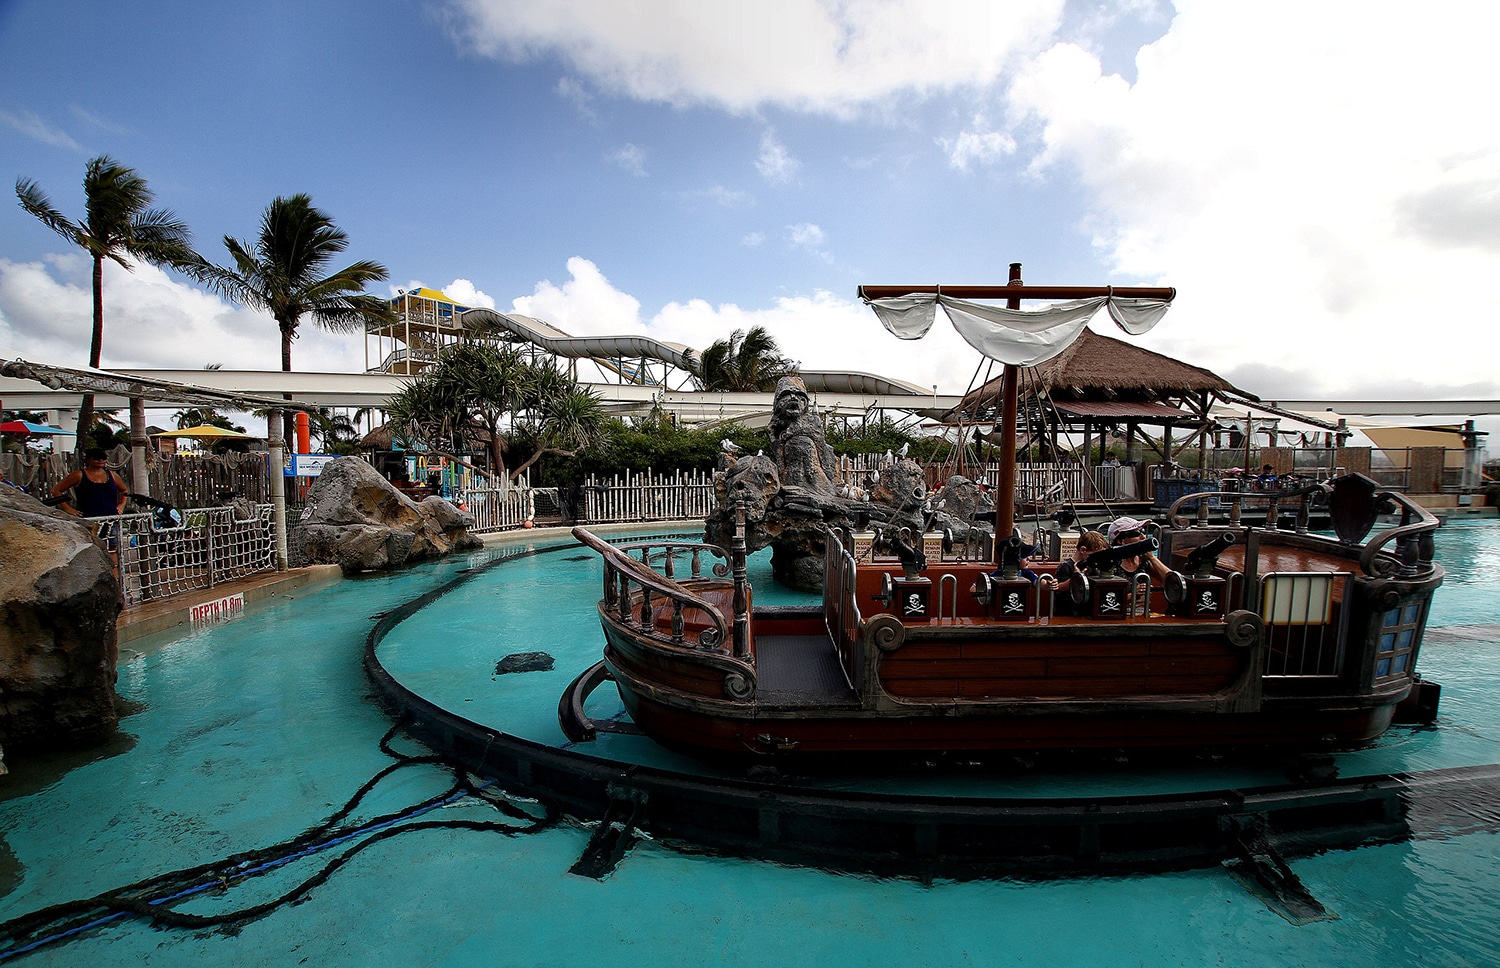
630	157
1313	178
465	293
774	162
977	146
34	127
150	320
585	305
742	55
753	240
805	235
821	331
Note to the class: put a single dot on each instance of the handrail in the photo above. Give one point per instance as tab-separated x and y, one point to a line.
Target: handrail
1415	548
1415	538
1305	492
621	563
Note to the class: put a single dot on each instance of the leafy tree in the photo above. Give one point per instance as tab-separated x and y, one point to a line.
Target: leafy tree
746	361
204	416
481	395
286	273
118	224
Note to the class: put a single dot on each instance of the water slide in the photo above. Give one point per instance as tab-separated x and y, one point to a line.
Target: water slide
614	353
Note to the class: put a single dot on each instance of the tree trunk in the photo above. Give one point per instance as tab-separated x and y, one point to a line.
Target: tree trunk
288	330
96	352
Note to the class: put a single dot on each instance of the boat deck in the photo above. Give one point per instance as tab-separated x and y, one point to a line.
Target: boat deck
800	670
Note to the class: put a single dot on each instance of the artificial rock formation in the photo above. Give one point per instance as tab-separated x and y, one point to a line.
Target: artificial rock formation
59	601
356	519
791	498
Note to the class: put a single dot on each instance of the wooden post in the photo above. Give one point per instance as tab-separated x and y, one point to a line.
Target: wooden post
1005	487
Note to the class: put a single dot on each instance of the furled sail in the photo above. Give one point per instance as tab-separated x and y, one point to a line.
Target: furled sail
1016	336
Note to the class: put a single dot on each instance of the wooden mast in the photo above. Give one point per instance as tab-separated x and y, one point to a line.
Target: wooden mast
1005	485
1013	292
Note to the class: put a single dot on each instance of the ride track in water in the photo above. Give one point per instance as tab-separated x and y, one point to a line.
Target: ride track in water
249	715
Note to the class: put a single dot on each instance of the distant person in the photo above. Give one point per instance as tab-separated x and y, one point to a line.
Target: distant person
1266	481
98	492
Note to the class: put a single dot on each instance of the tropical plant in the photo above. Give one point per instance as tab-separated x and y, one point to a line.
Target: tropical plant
204	417
286	273
481	395
119	224
745	361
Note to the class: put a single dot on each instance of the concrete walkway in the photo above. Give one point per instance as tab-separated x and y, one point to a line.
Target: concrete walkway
151	617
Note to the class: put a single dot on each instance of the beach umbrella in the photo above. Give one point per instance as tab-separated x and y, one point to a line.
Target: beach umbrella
207	432
27	428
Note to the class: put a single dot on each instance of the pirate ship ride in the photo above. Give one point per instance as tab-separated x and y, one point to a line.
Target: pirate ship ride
1258	636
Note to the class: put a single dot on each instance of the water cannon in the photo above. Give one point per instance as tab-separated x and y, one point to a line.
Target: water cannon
1107	561
1201	560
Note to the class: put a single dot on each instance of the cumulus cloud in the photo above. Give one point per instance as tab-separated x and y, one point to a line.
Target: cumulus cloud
586	305
817	330
742	55
631	158
774	162
977	146
150	320
1319	202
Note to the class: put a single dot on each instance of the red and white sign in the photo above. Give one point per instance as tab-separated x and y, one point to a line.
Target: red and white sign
230	606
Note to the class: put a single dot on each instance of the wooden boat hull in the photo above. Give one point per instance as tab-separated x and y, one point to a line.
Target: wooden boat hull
680	711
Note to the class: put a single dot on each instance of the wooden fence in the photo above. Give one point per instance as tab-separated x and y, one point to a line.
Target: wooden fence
647	497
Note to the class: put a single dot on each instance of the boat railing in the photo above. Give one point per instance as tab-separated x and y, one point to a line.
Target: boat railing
621	571
1233	500
841	616
1305	634
1412	537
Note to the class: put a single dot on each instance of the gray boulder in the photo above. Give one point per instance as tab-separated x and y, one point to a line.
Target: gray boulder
356	519
59	601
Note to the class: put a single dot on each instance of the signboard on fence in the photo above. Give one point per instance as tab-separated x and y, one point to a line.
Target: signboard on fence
308	465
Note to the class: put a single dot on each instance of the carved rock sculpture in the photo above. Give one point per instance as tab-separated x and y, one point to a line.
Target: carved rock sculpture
791	499
58	646
357	520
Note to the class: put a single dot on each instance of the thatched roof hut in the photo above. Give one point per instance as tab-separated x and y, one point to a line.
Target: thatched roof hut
1099	384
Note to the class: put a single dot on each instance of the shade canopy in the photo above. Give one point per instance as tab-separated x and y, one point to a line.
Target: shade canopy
25	427
207	432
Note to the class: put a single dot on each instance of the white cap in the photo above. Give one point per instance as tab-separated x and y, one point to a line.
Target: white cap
1124	526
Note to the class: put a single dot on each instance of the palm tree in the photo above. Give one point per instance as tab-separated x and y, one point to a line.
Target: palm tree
285	273
119	224
746	361
481	393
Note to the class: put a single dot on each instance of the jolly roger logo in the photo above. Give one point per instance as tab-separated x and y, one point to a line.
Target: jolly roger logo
1014	603
915	605
1110	602
1208	601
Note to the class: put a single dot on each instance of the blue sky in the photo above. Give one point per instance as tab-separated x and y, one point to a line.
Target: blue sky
1319	181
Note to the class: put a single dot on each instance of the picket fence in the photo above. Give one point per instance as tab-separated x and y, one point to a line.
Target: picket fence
646	496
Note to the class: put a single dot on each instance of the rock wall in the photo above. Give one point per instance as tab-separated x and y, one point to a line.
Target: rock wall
356	519
59	601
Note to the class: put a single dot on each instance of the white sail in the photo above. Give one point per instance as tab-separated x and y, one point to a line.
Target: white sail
1021	337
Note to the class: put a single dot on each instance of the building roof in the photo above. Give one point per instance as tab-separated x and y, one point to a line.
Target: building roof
1141	411
1095	363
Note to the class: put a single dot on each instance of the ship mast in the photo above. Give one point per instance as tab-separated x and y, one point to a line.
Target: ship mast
1013	292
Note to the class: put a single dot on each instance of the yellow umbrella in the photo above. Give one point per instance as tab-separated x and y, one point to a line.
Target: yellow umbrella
206	432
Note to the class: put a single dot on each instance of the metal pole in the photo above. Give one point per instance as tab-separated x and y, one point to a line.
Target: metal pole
278	484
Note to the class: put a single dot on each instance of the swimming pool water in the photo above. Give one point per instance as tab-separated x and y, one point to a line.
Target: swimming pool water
254	730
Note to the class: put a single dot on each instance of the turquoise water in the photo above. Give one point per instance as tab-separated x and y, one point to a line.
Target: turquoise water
256	730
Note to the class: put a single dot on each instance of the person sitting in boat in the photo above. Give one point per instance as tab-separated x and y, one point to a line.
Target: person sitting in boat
1128	530
1266	481
1062	603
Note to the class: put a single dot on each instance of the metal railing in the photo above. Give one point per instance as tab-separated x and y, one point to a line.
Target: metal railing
201	548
